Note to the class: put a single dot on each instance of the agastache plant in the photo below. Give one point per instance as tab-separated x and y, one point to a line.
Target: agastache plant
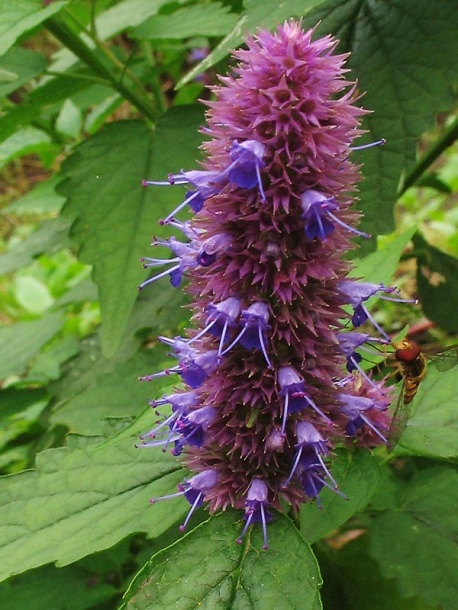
272	373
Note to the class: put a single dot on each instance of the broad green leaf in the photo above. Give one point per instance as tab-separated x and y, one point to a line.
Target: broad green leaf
48	587
115	215
104	388
195	20
14	401
416	543
42	199
207	569
433	427
22	341
381	266
24	63
403	55
114	394
358	476
82	499
23	142
51	236
18	18
437	281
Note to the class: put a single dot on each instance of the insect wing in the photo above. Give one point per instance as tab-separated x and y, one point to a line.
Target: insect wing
446	359
399	420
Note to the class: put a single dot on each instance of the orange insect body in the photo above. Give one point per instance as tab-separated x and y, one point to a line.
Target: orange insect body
412	365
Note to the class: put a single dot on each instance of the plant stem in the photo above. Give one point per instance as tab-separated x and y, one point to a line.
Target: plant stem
74	43
449	136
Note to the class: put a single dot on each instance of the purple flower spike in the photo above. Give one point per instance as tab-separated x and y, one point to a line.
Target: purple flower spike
272	384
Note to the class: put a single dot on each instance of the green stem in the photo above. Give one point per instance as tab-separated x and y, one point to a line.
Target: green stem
449	136
74	43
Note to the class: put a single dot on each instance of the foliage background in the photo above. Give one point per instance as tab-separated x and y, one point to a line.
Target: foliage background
95	96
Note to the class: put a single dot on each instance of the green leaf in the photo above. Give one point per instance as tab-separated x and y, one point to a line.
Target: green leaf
358	476
49	587
24	63
82	499
437	281
69	121
207	569
403	55
115	215
195	20
32	294
50	236
42	199
19	18
416	543
24	341
23	142
433	429
381	266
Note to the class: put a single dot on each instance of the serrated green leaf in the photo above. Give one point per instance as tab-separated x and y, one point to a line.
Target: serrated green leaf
18	18
51	235
114	394
437	281
82	499
115	215
195	20
433	428
48	587
22	341
403	55
417	542
358	476
207	569
24	63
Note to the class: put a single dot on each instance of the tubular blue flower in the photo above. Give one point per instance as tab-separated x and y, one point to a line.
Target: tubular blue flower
320	221
220	318
292	387
254	322
354	407
246	164
192	428
256	509
267	269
